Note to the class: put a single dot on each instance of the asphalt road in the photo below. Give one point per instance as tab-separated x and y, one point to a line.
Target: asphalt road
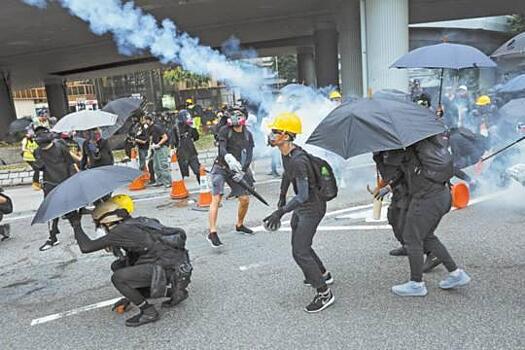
249	294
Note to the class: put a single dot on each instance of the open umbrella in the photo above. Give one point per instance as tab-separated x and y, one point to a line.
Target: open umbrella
19	125
373	125
516	84
85	120
445	56
513	48
514	110
82	189
123	107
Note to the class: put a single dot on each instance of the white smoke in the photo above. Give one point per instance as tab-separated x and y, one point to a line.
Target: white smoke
135	31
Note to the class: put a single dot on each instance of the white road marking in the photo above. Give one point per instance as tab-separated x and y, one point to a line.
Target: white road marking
73	312
346	228
250	266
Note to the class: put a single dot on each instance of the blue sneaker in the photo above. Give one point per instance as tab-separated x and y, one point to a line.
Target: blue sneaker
453	281
410	289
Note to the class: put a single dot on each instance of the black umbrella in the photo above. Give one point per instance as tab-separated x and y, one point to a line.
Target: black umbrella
392	94
123	107
83	189
373	125
445	56
19	125
516	84
514	110
513	48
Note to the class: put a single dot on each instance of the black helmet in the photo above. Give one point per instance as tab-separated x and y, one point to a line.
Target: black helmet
424	100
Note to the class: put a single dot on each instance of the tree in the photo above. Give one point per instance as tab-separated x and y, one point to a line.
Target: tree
517	23
178	75
286	67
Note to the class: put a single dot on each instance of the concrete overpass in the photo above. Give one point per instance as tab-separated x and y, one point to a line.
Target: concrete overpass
49	46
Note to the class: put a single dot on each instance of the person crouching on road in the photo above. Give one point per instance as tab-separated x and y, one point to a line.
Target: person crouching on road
6	207
159	141
308	209
152	263
232	166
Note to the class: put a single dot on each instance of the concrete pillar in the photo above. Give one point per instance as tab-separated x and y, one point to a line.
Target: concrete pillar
350	48
7	106
306	66
387	40
326	54
57	101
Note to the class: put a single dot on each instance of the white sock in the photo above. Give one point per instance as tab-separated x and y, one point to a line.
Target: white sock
456	272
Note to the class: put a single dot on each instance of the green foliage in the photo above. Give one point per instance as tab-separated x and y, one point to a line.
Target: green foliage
177	75
517	23
286	66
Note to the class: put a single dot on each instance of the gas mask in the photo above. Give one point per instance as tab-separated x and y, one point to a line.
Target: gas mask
276	137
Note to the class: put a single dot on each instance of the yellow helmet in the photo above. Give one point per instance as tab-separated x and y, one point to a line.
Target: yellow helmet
104	212
483	100
189	101
334	95
287	121
124	201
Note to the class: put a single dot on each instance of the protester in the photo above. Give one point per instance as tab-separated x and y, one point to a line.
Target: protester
29	146
335	96
231	166
96	151
142	140
6	207
52	157
185	136
426	168
388	164
41	121
308	208
153	261
158	138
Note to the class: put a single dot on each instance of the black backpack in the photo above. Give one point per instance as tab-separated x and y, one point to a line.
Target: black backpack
436	162
171	236
7	207
324	177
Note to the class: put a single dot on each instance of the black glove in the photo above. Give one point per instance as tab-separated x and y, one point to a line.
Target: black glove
379	195
273	222
282	201
74	218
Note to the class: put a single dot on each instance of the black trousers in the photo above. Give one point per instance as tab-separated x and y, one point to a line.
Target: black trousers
304	226
396	218
133	282
423	217
36	172
186	164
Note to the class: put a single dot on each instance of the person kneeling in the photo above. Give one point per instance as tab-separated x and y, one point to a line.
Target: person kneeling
152	263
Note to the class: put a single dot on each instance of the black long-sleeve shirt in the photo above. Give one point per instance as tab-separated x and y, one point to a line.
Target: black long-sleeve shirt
184	140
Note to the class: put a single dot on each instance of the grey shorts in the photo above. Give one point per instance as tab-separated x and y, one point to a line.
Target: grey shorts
219	179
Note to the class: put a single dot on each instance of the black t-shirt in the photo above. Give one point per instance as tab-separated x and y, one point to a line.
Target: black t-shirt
236	141
156	131
185	142
101	154
297	165
142	134
55	162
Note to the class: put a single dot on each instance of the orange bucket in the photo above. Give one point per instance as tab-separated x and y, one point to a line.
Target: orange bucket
460	195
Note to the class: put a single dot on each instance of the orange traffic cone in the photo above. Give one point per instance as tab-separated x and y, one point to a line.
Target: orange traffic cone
204	192
138	183
178	187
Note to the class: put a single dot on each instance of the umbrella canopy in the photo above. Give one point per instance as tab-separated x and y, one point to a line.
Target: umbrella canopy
516	84
123	107
514	48
373	125
82	189
19	125
392	94
514	110
445	55
85	120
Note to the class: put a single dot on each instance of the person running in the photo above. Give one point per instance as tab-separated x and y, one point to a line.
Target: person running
427	168
231	166
52	157
307	207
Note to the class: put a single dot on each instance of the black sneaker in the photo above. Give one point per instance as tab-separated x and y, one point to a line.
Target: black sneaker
5	231
430	263
176	298
328	279
213	237
50	243
401	251
147	315
244	229
321	301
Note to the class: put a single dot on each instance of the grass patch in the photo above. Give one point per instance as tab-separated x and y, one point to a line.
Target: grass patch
205	142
